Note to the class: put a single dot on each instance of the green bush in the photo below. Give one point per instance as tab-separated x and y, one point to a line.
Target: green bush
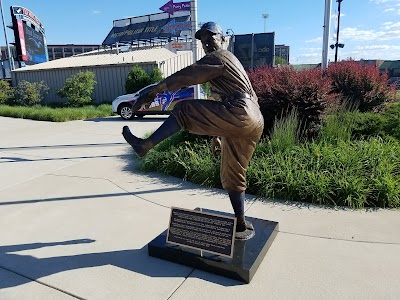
138	79
6	91
360	85
206	88
30	93
155	75
78	89
280	90
364	125
392	126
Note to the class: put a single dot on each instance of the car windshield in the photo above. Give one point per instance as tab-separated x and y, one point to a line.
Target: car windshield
145	90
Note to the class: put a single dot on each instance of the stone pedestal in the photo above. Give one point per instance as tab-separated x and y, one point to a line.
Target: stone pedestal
247	255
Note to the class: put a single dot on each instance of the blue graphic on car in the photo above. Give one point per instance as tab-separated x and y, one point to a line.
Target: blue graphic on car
163	103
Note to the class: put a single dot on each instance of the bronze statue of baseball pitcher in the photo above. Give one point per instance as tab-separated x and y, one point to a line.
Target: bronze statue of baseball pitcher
236	118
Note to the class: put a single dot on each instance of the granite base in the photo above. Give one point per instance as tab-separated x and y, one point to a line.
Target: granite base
247	255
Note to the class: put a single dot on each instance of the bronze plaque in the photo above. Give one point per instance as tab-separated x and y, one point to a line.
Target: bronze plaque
203	231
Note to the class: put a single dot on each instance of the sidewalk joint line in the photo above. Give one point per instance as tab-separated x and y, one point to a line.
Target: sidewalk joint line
133	194
183	281
42	283
34	177
336	239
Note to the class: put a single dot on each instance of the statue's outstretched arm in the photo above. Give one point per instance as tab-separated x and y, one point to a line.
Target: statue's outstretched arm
194	74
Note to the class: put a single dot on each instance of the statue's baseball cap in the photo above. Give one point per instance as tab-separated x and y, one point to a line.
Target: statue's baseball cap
209	26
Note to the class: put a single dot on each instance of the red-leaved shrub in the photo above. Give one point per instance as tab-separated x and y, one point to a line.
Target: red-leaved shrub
360	85
280	90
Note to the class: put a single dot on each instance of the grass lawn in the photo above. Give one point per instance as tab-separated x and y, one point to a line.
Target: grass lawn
44	113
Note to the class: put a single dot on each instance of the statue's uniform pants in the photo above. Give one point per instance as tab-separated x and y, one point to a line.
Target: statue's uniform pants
238	122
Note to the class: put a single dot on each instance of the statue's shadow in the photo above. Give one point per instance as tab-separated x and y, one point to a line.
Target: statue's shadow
31	268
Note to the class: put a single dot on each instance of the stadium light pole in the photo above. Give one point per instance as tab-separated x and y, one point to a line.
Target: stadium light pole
10	60
265	17
193	17
337	32
325	40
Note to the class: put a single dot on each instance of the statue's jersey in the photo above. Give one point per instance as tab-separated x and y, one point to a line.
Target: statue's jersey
221	68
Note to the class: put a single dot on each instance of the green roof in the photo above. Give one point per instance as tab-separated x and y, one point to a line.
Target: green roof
305	66
390	64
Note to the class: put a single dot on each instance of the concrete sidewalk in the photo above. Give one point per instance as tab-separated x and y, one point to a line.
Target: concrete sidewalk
76	217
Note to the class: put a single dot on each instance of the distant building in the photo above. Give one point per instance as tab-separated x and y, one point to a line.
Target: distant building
282	51
392	68
4	55
55	51
370	62
67	50
110	67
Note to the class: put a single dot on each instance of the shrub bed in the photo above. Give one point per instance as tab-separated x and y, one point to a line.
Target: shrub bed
332	169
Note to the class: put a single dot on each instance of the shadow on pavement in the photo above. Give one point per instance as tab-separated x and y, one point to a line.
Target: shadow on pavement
135	260
95	196
62	146
7	159
134	120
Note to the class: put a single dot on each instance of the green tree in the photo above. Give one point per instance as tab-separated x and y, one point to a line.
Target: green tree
30	93
78	89
156	75
280	61
138	79
6	91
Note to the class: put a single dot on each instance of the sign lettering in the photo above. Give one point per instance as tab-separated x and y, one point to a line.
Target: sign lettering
171	7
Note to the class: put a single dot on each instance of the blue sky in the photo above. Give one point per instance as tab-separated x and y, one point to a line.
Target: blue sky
370	29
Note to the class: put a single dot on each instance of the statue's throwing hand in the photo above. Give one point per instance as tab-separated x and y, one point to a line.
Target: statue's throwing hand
216	146
144	99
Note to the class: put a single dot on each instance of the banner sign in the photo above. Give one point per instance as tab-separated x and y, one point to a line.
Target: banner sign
30	42
35	46
254	50
174	27
170	7
264	49
148	30
25	14
22	40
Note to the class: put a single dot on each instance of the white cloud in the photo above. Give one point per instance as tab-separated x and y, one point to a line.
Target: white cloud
386	52
388	5
366	51
377	47
384	1
96	12
318	39
391	25
311	49
355	34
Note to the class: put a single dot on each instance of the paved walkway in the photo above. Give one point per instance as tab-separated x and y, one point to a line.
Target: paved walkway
76	216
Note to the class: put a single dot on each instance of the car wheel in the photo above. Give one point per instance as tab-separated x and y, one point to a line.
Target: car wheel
125	111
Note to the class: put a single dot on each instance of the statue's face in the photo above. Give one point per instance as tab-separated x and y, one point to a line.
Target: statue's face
211	42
